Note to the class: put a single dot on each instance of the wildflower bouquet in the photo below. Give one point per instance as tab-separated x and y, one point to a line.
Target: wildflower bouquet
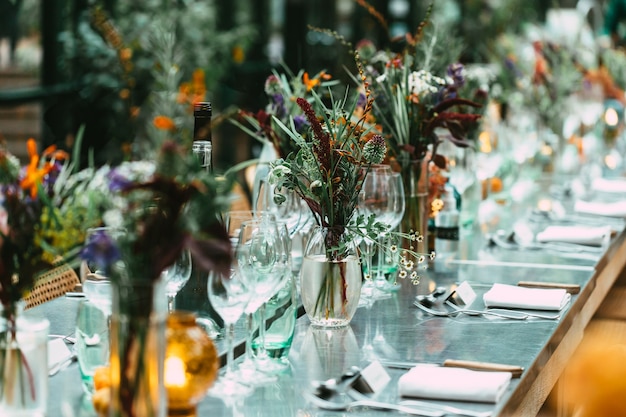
282	91
411	103
164	208
555	76
159	210
331	161
32	237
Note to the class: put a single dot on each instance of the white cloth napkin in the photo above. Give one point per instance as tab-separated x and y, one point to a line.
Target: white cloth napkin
611	209
584	235
427	381
57	352
606	185
512	296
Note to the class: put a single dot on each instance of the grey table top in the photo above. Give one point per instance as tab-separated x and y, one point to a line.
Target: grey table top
393	328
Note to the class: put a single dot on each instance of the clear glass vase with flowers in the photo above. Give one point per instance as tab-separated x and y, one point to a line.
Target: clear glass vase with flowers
412	101
327	171
173	207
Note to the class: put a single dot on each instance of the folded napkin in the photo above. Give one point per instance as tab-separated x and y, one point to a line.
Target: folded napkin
583	235
427	381
612	209
58	352
613	185
512	296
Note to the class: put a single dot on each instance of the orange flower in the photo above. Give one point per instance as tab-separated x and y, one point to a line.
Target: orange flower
308	82
164	123
35	175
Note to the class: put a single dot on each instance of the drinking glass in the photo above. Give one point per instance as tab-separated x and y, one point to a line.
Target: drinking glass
229	297
388	260
92	338
374	199
259	259
289	211
176	276
278	337
233	222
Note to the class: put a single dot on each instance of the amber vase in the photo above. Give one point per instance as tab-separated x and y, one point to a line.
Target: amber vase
191	363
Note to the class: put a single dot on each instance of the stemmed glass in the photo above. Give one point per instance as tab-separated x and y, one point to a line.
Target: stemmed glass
290	210
176	276
387	268
233	221
282	267
229	296
374	199
259	260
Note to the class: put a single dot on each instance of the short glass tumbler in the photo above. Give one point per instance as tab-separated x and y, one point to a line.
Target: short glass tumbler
92	341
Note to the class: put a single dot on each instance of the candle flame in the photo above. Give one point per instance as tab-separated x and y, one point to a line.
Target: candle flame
174	372
610	117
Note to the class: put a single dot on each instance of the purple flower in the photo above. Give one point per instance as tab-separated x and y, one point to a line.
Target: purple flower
100	250
455	71
300	123
278	105
117	182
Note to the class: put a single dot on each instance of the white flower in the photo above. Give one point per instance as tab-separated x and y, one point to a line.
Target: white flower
381	78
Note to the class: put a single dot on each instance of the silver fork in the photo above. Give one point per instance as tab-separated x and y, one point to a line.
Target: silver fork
447	409
356	395
514	316
506	311
344	406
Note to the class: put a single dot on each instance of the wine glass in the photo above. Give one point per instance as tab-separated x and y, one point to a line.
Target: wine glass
282	267
229	297
258	256
290	210
233	221
176	276
387	265
374	199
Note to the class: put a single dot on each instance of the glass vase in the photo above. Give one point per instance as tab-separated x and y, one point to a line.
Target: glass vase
23	364
331	277
417	211
191	363
138	349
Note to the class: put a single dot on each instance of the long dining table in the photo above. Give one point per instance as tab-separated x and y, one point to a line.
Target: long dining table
393	329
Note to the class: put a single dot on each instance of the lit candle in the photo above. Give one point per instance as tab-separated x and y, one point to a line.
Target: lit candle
610	117
175	372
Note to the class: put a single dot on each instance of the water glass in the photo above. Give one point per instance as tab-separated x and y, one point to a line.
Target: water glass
92	340
280	325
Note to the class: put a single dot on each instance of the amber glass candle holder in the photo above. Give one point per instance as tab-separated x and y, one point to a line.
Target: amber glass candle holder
191	363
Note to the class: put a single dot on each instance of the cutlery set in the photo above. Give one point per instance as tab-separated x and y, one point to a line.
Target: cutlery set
438	303
341	395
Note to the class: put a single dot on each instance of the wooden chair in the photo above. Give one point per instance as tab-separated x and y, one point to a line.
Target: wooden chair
52	284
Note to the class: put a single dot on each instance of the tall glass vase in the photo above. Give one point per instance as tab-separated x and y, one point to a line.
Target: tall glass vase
138	349
23	364
416	213
330	278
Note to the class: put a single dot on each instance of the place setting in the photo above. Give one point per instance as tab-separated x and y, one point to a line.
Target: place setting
461	388
500	301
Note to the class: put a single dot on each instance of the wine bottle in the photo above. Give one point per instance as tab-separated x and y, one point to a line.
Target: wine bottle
202	140
194	295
